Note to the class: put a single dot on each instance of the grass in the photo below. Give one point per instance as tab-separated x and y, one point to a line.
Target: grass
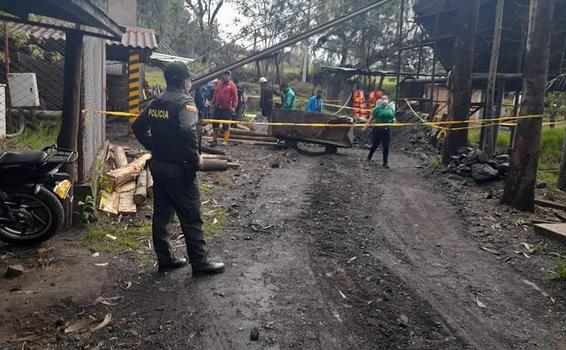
550	151
118	239
560	270
37	137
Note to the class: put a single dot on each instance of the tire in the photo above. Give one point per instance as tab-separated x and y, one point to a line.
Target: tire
54	217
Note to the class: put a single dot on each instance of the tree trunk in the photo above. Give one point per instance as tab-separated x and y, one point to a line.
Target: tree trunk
562	173
488	131
461	86
521	181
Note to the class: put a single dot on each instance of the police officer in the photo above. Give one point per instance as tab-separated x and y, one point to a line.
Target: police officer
168	128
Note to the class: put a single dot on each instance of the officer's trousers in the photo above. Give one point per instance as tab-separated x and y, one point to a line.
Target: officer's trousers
175	191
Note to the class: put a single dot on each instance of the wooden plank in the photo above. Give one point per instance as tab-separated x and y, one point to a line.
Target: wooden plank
127	187
553	231
549	204
127	205
109	202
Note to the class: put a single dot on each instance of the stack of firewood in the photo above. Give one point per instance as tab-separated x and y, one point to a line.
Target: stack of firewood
130	184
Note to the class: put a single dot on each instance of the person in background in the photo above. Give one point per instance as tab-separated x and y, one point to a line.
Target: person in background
288	97
315	103
168	129
241	106
382	114
266	98
224	103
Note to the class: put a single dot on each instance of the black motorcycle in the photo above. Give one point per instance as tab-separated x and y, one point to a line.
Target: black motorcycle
32	190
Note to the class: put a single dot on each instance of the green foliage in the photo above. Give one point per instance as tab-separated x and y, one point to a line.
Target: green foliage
560	269
87	210
21	42
117	239
37	137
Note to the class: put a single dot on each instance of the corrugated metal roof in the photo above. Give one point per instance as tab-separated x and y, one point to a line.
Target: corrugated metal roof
137	38
133	37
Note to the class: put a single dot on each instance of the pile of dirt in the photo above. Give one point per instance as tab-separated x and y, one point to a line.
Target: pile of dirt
475	164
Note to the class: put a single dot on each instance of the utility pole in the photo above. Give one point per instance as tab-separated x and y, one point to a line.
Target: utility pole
399	48
488	134
521	180
460	92
306	47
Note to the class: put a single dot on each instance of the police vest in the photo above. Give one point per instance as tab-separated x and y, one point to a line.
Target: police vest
168	144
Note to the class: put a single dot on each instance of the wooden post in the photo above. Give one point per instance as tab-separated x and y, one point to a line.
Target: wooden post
461	85
134	61
488	132
68	135
400	50
521	180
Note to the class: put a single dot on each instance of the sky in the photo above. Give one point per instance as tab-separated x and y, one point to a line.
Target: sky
226	17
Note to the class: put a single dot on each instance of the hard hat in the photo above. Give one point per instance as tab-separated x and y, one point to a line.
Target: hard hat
262	80
176	72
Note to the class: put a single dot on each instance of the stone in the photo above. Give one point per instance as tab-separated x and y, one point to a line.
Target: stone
483	172
14	271
464	170
254	334
503	168
403	321
503	158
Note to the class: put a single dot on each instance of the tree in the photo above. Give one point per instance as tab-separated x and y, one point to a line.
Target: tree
521	181
205	12
460	89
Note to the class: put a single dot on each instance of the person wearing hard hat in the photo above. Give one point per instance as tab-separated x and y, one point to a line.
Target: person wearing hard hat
266	98
168	128
381	135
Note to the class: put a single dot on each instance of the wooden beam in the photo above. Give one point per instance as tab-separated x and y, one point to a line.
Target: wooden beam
68	135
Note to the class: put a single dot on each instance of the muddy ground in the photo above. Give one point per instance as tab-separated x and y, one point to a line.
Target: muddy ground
322	252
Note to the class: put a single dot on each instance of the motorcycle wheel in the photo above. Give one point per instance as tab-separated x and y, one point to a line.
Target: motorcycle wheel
36	217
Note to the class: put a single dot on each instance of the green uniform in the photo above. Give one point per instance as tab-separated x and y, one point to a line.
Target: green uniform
289	99
383	115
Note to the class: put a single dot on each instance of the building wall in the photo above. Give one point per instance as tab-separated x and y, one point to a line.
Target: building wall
123	11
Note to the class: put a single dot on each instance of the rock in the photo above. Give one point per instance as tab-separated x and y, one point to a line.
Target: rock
403	321
541	184
14	271
464	150
464	170
254	334
483	172
503	168
503	158
477	156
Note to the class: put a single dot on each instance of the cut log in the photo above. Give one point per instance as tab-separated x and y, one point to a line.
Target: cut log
233	165
109	202
127	205
149	184
247	133
249	142
553	231
254	138
216	156
549	204
214	165
119	155
141	188
127	187
128	173
212	150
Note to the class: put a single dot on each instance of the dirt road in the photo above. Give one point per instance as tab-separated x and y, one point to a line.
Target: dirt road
330	252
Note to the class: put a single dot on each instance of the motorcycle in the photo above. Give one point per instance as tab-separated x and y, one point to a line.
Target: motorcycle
32	191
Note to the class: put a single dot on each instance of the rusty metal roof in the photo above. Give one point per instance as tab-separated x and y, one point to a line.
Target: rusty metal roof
137	38
133	37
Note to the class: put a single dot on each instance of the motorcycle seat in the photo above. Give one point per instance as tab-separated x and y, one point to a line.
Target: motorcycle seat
22	157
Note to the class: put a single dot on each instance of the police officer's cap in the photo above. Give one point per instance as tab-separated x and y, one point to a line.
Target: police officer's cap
176	72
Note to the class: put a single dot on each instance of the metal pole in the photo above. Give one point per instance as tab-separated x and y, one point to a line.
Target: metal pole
399	49
7	64
300	37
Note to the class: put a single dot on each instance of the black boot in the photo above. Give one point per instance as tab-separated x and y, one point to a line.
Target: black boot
385	165
173	265
207	268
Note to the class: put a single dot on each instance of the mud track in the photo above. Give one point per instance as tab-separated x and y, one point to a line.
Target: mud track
332	252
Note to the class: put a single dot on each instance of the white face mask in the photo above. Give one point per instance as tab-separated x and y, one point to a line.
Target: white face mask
187	87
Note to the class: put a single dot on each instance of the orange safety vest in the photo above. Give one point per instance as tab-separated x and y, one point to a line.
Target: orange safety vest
374	96
359	103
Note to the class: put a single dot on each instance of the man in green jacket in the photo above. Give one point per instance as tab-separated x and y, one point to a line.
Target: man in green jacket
288	97
382	114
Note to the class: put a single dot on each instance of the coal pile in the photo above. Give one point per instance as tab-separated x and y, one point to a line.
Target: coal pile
475	164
